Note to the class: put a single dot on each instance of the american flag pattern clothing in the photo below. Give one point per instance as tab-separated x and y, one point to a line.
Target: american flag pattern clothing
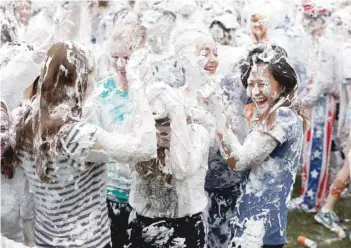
317	153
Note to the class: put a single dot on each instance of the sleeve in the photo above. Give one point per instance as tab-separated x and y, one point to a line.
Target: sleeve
194	158
284	128
80	139
258	145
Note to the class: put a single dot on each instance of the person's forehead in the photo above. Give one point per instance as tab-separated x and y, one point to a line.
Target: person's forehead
202	45
120	52
256	17
259	72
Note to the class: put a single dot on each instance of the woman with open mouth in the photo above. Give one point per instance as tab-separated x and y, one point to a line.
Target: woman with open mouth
271	150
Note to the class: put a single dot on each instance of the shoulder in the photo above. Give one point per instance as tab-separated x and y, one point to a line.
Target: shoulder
286	113
285	124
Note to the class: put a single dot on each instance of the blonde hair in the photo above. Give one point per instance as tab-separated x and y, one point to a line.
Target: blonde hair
128	37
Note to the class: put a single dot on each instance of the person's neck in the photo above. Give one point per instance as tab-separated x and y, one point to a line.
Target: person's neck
122	84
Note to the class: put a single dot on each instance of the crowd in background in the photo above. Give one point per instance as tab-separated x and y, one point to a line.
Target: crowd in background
174	123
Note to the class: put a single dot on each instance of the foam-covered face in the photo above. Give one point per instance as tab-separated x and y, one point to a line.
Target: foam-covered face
23	11
258	26
262	87
159	27
5	137
206	52
222	35
120	59
311	23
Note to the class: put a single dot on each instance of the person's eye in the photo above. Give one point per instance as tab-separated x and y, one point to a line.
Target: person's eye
203	53
3	128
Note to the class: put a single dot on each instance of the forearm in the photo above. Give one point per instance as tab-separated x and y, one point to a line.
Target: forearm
180	147
122	148
254	151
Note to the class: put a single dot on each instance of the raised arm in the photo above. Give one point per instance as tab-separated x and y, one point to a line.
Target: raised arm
258	145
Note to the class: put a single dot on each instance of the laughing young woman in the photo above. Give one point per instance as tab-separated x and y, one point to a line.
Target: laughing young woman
271	149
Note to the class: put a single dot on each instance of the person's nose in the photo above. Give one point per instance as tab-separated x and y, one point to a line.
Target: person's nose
256	91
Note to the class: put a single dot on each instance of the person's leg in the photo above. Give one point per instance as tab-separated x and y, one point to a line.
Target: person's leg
316	155
340	182
273	246
189	232
220	211
149	232
264	246
326	216
118	214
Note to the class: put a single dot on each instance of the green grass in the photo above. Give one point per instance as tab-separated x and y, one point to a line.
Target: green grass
304	224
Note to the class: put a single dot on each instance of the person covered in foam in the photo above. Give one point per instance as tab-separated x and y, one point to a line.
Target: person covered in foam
318	97
167	193
64	158
341	27
16	200
271	149
109	108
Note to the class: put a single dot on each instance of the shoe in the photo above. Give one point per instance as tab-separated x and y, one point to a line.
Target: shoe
328	219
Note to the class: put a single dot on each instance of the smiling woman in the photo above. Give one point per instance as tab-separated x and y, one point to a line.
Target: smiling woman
271	150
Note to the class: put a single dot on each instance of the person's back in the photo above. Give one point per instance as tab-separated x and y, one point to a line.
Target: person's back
70	209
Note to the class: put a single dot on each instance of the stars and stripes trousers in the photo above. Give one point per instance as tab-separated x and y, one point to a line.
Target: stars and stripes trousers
316	153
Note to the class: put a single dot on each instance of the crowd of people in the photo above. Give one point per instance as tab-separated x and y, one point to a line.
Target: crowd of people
174	123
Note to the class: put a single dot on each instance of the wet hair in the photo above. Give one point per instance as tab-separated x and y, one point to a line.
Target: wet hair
276	59
7	159
129	37
61	89
35	87
103	3
7	163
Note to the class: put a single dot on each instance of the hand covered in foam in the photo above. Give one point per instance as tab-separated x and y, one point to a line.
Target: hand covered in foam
163	99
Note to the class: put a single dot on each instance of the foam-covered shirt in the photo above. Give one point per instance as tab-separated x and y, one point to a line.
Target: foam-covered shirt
114	107
261	213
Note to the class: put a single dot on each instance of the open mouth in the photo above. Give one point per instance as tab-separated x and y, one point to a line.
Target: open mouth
210	69
261	102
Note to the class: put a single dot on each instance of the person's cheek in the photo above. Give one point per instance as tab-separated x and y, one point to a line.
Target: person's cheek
202	61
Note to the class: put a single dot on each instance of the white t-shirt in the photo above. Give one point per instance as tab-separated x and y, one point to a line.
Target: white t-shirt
184	193
16	205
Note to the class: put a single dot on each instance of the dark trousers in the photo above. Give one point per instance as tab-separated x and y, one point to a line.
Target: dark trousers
220	211
268	246
146	232
119	215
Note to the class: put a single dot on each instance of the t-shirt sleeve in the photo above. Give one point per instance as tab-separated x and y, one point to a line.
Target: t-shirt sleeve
284	126
78	142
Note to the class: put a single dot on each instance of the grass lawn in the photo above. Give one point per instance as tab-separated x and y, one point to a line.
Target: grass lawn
304	224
